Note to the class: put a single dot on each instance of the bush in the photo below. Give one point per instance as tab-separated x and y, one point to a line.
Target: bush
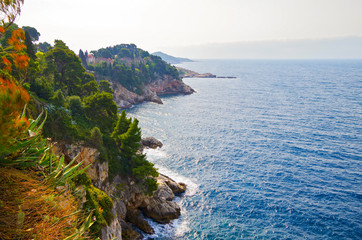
95	139
75	106
101	110
99	202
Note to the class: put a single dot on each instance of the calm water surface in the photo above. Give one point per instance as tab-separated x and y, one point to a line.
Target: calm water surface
273	154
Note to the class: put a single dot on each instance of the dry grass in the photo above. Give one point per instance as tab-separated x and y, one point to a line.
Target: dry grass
31	210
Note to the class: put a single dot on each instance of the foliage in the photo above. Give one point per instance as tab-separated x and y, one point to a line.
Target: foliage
75	106
62	173
89	88
58	99
12	101
83	58
121	127
30	208
29	46
33	33
95	139
33	210
43	47
12	96
64	68
42	88
9	10
127	134
102	110
132	67
101	204
105	86
14	60
59	125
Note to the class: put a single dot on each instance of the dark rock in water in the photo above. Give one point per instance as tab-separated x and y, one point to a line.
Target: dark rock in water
151	142
134	216
176	188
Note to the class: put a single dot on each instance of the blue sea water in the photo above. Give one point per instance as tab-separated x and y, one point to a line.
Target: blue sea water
272	154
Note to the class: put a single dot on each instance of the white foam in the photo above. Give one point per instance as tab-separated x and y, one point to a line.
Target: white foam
154	154
180	226
192	187
177	228
157	157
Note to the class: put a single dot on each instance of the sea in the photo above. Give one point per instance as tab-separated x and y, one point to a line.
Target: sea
274	153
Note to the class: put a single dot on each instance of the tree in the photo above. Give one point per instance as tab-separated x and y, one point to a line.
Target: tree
75	106
59	125
6	35
101	110
43	47
105	86
135	163
58	99
29	46
89	88
12	96
121	128
65	68
96	138
33	33
83	58
9	10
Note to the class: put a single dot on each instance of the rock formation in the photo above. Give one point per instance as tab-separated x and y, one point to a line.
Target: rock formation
151	92
151	142
130	203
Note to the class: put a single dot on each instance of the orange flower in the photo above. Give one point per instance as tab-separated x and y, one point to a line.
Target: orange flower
7	64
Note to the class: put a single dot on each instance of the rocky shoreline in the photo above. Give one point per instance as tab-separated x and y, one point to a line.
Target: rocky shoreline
151	92
130	204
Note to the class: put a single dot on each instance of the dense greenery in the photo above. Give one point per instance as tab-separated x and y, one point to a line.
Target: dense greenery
130	66
52	81
81	109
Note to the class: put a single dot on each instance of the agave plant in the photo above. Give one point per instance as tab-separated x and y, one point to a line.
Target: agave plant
26	151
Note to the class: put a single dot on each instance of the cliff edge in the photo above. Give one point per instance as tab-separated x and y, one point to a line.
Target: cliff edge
130	203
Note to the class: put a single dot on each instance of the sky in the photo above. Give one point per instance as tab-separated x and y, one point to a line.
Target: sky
180	26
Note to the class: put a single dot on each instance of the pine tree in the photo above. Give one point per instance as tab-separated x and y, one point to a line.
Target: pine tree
121	128
29	46
82	57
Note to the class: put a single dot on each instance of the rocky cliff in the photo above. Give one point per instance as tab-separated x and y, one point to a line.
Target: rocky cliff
151	92
130	203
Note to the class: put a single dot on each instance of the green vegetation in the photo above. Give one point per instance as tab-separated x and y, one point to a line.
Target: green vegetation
51	82
128	65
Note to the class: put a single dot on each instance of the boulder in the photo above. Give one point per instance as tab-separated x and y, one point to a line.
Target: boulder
176	188
161	210
134	216
128	233
151	142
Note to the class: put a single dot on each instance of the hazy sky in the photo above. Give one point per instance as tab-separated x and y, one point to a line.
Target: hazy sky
167	24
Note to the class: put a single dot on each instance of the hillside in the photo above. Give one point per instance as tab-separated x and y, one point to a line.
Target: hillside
171	59
134	74
71	166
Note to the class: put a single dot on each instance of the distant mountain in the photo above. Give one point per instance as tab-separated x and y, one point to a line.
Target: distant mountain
171	59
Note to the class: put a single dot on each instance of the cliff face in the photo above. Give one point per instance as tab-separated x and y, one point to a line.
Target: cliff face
151	92
130	203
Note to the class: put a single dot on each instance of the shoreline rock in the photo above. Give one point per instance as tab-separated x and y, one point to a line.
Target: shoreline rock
151	92
130	203
151	142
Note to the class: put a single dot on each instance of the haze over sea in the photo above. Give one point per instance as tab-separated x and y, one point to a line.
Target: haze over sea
273	154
